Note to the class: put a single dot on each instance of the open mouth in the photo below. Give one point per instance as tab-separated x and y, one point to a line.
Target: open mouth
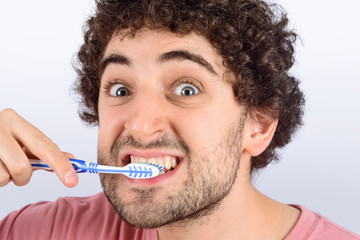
169	163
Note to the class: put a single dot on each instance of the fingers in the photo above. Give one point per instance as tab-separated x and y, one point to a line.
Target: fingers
43	148
15	161
69	155
18	140
4	174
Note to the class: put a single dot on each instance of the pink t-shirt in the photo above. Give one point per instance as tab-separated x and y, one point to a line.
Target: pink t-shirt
95	218
313	226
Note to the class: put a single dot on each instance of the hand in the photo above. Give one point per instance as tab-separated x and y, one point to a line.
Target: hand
19	141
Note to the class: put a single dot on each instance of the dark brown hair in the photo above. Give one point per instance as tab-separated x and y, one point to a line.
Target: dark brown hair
252	37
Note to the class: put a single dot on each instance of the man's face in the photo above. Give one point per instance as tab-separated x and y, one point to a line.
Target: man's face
163	99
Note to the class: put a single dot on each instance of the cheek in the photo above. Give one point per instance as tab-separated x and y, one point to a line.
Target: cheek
111	124
204	129
197	130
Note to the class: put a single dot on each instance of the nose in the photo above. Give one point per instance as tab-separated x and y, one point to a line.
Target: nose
147	117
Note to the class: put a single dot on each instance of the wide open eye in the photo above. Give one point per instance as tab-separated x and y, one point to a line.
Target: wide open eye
186	89
119	90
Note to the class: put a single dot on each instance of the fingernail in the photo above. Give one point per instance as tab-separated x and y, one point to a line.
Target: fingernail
70	177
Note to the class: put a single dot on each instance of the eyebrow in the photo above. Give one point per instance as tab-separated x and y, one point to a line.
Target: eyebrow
186	55
168	56
113	58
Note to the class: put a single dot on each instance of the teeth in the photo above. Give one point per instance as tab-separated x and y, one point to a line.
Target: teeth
174	163
160	161
152	160
167	161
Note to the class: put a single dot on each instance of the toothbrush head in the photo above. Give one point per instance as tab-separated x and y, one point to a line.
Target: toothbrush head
161	168
143	170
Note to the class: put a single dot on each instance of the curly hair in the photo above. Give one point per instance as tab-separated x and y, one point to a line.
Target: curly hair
252	36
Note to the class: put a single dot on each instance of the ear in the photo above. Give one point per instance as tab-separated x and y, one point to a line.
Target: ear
259	134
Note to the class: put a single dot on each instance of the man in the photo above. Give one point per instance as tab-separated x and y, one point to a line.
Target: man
199	87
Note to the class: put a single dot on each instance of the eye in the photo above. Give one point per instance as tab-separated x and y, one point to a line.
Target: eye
119	90
186	89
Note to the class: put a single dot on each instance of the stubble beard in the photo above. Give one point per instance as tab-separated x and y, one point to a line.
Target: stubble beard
211	176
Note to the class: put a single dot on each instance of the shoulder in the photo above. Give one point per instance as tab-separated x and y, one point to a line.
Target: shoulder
68	218
313	226
64	208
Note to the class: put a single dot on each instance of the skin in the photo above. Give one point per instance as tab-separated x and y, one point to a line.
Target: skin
19	141
153	110
167	113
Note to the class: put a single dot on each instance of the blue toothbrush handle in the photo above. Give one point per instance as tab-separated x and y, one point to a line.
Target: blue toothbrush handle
80	166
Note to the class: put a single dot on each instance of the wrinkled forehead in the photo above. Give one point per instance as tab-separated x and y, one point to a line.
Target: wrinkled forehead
191	46
162	36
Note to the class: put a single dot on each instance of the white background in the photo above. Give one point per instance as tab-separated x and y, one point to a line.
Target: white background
319	169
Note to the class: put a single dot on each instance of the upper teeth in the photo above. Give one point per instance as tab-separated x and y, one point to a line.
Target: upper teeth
167	162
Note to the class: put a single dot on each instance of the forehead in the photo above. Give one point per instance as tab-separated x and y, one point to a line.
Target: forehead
154	38
148	43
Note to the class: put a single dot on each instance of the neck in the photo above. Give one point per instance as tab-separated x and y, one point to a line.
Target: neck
244	214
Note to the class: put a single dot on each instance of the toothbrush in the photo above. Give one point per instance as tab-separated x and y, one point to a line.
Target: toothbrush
132	170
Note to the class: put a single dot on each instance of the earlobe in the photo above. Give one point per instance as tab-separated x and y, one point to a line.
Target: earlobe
260	134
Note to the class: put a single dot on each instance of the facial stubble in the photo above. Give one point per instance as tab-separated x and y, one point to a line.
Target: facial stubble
211	176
